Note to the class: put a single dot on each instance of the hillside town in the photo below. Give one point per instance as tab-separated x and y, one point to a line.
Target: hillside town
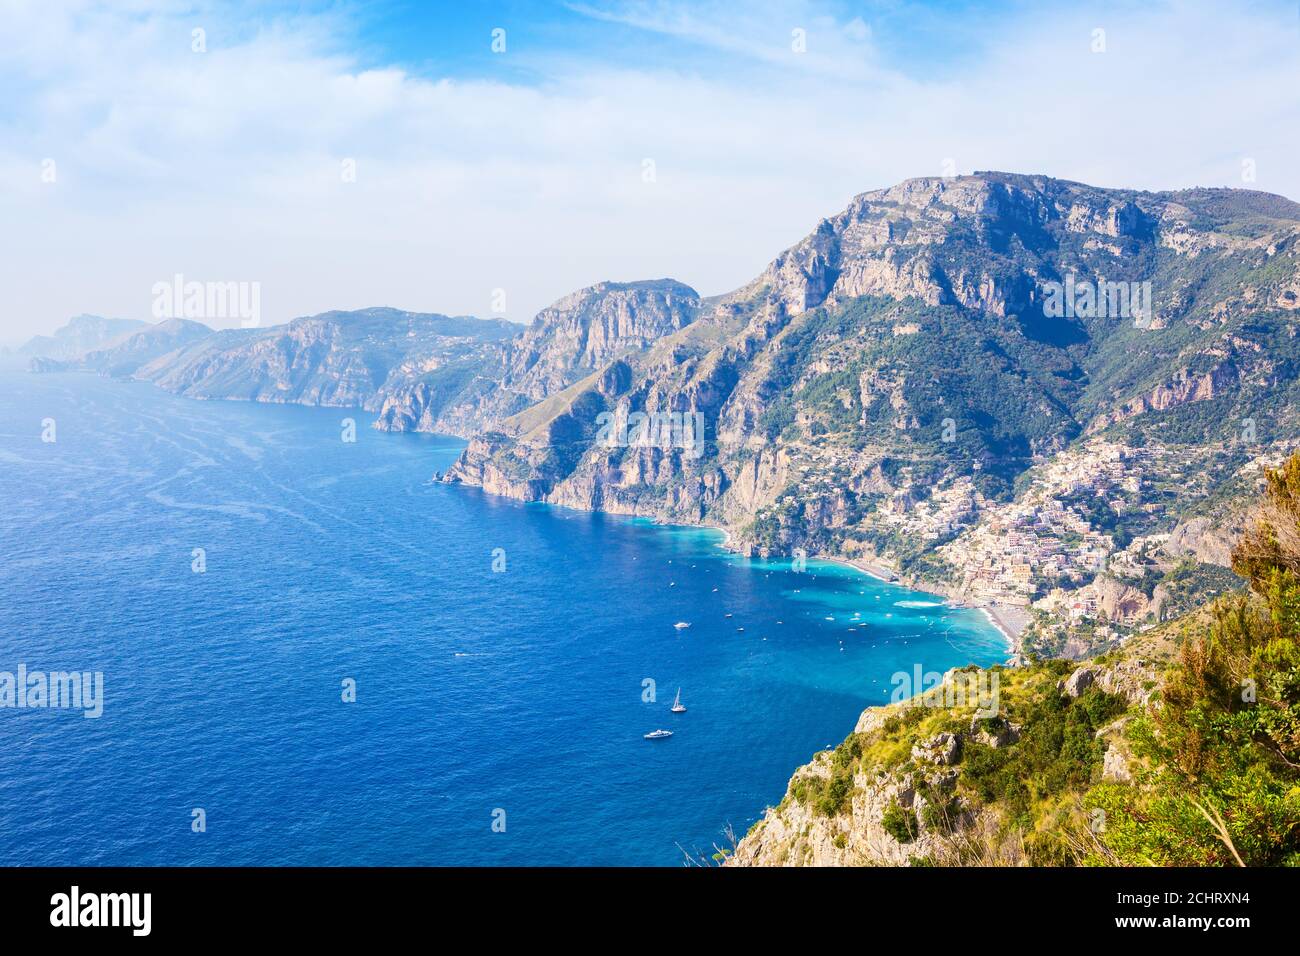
1083	545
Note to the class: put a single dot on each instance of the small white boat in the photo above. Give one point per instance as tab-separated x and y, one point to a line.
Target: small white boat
658	734
682	625
678	707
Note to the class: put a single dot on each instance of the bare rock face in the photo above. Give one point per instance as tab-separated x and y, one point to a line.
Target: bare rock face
591	328
580	335
1204	540
1119	601
477	466
796	835
1115	766
873	718
891	242
1185	386
1078	682
943	749
1134	680
993	733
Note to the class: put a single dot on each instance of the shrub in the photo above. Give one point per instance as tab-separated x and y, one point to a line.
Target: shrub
1225	742
899	823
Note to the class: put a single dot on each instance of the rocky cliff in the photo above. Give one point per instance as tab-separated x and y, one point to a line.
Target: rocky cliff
565	343
335	358
911	785
913	344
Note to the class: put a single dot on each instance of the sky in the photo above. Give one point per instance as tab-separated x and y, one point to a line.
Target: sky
491	157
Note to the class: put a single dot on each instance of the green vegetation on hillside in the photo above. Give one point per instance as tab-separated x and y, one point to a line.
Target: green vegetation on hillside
1222	781
1183	748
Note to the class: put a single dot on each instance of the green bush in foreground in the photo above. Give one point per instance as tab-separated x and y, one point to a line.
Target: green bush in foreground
899	823
1223	750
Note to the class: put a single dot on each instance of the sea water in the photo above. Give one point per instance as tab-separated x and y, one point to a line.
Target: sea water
313	654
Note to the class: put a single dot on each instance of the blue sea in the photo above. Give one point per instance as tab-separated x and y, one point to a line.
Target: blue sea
499	713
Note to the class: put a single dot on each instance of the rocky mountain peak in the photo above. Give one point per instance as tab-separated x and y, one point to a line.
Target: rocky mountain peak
593	326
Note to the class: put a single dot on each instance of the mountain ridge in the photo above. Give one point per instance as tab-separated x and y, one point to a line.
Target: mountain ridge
340	357
896	388
830	382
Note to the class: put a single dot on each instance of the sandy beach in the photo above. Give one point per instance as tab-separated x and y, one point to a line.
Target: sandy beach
1010	619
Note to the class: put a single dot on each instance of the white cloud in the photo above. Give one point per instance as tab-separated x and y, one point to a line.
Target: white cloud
225	165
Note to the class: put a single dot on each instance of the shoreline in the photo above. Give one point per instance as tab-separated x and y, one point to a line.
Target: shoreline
1009	620
1011	629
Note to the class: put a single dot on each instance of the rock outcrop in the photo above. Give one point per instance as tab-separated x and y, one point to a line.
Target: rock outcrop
862	804
577	336
827	384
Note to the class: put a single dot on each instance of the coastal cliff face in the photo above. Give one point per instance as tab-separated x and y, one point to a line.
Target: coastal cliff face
578	335
914	783
593	327
336	358
944	365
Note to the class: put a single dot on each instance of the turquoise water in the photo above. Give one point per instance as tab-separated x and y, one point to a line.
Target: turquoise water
477	691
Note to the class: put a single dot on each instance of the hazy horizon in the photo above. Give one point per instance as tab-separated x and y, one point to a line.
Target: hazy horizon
318	151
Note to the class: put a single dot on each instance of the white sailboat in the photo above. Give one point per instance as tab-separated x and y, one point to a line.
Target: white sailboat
678	707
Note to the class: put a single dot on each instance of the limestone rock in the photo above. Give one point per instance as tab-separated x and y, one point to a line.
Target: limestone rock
1078	682
1115	766
943	749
